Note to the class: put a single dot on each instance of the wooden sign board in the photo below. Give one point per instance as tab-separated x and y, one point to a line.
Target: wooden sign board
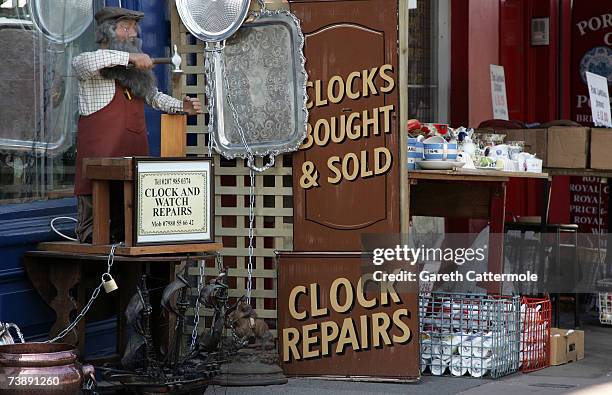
346	174
173	200
334	320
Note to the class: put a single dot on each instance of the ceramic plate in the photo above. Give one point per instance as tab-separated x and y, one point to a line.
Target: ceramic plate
439	164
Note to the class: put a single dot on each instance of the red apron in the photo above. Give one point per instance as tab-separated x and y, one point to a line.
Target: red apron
116	130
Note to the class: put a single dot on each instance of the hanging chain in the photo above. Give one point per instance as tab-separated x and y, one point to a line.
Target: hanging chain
208	71
251	232
196	318
96	292
219	262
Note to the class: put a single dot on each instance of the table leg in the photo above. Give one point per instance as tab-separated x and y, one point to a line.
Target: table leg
64	275
101	212
128	212
497	214
545	205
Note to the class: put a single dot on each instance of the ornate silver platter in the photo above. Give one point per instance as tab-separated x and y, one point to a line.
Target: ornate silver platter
260	88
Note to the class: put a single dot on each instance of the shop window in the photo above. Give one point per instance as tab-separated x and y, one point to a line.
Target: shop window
38	108
429	61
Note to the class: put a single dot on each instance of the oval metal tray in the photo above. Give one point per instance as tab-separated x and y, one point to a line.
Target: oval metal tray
264	75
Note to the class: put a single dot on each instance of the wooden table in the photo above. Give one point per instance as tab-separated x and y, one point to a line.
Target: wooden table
62	279
464	193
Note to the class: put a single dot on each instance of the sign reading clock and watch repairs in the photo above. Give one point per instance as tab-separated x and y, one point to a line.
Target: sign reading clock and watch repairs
173	201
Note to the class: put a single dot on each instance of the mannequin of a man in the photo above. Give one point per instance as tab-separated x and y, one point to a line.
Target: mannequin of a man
115	82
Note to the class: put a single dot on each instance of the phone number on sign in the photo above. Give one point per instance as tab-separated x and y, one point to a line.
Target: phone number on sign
26	381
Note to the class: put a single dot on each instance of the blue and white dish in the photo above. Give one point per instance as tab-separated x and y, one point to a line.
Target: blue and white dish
436	148
415	152
439	164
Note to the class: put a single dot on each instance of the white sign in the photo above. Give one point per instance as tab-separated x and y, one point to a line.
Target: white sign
600	99
498	93
173	201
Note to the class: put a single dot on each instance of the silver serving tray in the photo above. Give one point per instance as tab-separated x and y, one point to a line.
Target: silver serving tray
262	70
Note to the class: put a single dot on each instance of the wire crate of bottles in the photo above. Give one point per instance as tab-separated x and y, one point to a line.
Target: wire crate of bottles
536	315
469	334
605	301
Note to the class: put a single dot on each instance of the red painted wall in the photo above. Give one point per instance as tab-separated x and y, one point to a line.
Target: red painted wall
474	46
536	91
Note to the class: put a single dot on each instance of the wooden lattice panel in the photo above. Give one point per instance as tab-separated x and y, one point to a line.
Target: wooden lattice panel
273	190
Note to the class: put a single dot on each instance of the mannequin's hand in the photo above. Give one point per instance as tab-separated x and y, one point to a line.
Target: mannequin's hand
192	105
141	61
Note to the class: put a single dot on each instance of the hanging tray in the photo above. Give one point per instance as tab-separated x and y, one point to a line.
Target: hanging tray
264	75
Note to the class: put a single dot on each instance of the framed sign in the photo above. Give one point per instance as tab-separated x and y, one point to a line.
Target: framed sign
173	200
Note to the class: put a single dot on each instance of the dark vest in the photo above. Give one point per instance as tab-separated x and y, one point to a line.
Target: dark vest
116	130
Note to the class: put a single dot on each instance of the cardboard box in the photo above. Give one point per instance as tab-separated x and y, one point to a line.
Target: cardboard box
568	147
535	141
601	148
566	345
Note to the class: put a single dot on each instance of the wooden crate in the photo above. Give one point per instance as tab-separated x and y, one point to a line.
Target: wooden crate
273	190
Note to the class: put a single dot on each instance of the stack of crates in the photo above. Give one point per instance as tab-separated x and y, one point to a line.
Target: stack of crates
468	334
605	301
536	314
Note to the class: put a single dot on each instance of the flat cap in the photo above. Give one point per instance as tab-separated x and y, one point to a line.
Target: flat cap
110	13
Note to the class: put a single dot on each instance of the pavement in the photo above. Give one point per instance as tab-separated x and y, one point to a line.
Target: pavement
590	376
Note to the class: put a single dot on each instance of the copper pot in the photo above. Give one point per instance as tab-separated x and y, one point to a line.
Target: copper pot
41	368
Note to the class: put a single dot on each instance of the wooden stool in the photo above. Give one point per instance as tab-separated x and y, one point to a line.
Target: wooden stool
103	170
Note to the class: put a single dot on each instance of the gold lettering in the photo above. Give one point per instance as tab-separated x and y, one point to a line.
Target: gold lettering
353	133
349	85
386	110
387	289
397	320
365	173
378	169
390	81
329	332
366	122
345	166
333	295
338	137
318	100
315	300
321	141
368	82
333	98
293	302
290	344
330	164
309	140
380	326
361	293
364	331
308	340
347	336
